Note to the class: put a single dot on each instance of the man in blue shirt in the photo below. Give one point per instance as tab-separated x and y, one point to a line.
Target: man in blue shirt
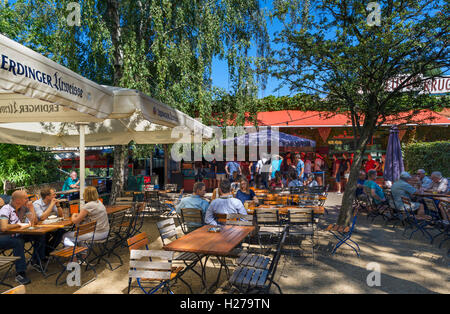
300	167
231	168
424	180
226	204
195	201
375	190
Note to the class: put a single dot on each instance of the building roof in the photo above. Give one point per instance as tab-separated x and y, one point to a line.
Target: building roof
297	118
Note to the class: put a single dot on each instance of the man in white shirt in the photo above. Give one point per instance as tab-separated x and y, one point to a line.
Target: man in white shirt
225	204
439	184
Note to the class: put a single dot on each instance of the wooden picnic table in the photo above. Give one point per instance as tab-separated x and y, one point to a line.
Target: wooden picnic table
205	244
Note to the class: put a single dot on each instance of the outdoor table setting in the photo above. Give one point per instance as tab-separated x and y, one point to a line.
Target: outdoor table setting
207	241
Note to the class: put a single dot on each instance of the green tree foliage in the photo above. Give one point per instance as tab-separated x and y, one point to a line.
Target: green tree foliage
330	51
26	165
163	48
432	156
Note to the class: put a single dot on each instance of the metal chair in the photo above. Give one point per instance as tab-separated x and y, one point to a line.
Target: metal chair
268	224
159	274
80	252
301	223
439	224
421	222
344	234
7	262
258	280
140	242
168	231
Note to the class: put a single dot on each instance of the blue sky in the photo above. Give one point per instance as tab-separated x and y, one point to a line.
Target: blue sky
220	76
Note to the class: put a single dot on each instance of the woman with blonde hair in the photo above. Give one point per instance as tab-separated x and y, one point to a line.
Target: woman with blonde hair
93	210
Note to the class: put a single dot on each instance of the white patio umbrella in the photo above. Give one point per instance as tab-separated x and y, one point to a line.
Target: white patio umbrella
42	102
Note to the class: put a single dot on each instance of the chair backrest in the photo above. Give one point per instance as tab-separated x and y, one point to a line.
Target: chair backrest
167	229
239	220
191	215
116	221
300	215
431	205
138	242
266	216
16	290
150	264
171	187
297	189
316	189
124	200
390	199
86	228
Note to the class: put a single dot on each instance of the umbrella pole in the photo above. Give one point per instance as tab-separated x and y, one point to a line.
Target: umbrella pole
82	161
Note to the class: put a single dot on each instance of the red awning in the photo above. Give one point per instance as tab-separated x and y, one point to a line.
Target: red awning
296	118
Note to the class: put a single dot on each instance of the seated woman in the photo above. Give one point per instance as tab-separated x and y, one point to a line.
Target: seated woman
276	182
245	193
93	210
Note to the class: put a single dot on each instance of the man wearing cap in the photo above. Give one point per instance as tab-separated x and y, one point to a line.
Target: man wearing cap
402	188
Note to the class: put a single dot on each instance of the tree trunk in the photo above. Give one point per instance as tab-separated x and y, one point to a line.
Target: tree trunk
346	211
113	21
120	158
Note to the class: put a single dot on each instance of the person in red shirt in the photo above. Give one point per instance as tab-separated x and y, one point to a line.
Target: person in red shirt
370	164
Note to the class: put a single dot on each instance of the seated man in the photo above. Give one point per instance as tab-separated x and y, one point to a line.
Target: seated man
311	181
425	182
11	216
225	204
402	188
360	183
44	207
439	184
294	181
375	190
194	201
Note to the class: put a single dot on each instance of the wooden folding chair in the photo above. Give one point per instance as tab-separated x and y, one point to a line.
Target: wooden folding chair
7	262
344	234
79	252
301	224
152	267
248	279
191	219
168	231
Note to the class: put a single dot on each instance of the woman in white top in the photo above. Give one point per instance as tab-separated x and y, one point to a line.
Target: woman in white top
93	210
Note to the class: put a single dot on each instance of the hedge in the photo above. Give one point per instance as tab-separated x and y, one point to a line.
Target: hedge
433	156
